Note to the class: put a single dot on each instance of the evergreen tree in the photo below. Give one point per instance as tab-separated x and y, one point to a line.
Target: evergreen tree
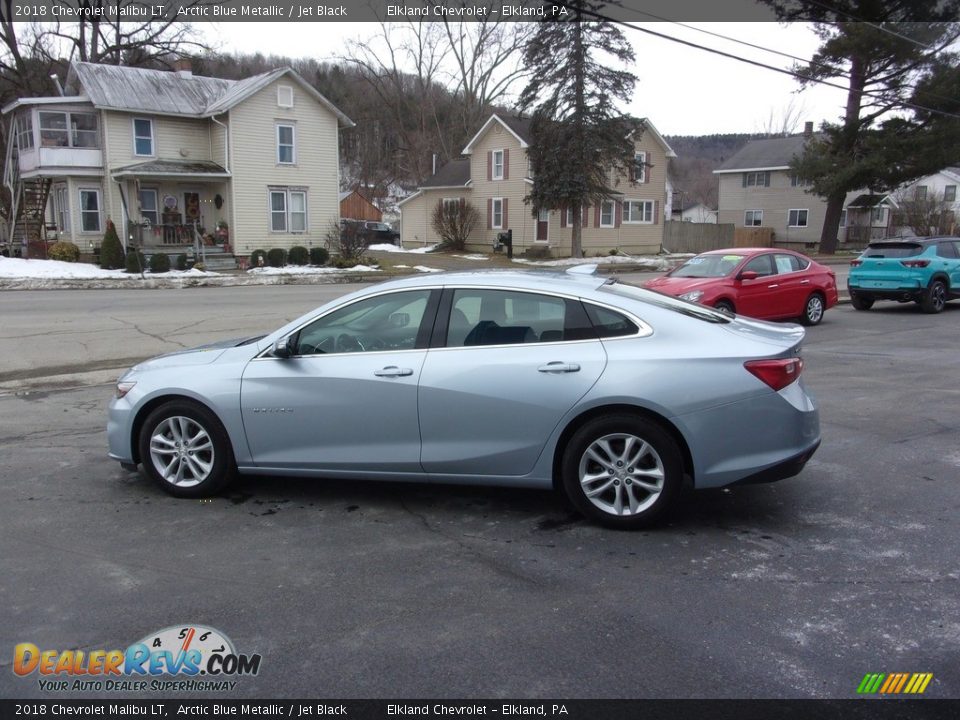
578	136
112	256
892	59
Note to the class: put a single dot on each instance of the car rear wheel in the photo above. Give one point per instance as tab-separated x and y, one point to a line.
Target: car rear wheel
185	449
860	302
622	471
934	298
813	310
724	306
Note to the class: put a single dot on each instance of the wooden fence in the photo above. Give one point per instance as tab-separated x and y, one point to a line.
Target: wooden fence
689	237
753	237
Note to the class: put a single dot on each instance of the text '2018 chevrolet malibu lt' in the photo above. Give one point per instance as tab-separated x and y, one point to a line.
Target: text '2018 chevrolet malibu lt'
611	393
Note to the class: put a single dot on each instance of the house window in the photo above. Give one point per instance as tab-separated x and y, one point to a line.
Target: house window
285	96
640	167
25	131
877	215
497	165
753	218
285	145
638	211
756	179
921	192
843	218
83	130
529	167
796	181
53	129
142	136
149	210
61	205
451	206
950	193
90	211
496	213
288	210
797	218
607	212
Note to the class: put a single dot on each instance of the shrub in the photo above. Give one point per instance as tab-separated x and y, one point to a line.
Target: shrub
347	241
111	250
537	252
319	256
276	257
136	261
298	255
182	261
199	266
65	251
454	223
159	263
343	263
255	258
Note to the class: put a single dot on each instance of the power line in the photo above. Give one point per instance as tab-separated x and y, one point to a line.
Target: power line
877	26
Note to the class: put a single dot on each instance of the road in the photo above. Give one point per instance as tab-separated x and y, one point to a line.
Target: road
351	590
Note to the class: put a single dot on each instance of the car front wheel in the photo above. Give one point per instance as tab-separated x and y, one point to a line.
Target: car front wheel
185	449
934	298
622	471
724	306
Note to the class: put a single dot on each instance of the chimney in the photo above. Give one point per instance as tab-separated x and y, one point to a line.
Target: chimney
183	67
808	129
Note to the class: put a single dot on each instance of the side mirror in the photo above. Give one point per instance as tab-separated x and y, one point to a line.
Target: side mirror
285	347
400	319
748	275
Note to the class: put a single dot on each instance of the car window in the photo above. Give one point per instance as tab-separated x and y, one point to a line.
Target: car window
609	323
383	322
786	263
507	317
708	266
947	250
762	265
893	250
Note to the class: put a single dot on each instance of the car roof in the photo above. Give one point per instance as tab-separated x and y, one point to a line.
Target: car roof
542	280
913	240
745	251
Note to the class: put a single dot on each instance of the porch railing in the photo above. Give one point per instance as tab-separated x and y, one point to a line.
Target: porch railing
185	236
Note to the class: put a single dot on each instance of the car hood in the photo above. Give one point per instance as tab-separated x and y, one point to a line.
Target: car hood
678	285
200	355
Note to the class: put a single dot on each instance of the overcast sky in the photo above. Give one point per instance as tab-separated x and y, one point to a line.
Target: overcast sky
684	91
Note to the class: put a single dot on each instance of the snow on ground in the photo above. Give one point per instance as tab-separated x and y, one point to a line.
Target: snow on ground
387	247
57	269
654	262
424	268
473	257
308	270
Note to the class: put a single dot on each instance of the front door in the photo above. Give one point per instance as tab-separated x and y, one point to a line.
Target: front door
755	298
191	208
543	226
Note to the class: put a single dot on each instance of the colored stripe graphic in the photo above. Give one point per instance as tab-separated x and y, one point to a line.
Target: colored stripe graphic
894	683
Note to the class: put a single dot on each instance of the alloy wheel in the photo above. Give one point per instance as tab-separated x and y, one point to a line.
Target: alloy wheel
181	451
621	474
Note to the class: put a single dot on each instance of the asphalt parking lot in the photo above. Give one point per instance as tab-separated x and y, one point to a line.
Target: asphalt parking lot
354	590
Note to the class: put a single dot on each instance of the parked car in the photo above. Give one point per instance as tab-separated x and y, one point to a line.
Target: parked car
370	232
612	393
920	270
764	283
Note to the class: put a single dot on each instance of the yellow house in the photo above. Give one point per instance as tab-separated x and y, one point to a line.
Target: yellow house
494	176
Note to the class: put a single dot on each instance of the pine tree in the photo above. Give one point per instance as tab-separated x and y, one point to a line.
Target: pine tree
111	250
578	136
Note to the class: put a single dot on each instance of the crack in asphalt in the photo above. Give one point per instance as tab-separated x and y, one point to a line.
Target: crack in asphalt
48	370
150	335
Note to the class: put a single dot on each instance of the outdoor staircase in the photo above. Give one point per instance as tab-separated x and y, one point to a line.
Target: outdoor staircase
28	203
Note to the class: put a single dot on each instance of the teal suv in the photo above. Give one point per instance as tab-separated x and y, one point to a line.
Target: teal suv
921	270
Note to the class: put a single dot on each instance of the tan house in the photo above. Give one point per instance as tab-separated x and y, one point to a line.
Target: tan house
494	176
172	156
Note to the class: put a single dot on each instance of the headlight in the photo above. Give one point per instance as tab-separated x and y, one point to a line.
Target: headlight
692	296
123	388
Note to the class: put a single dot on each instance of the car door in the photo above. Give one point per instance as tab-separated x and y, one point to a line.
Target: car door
795	286
948	252
756	297
503	369
346	398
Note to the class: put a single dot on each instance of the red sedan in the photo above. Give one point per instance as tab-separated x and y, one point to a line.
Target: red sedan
765	283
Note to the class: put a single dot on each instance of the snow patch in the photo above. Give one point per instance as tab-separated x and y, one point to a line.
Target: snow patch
387	247
308	270
18	268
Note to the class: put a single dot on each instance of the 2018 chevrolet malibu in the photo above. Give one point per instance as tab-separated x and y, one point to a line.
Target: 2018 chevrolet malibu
611	393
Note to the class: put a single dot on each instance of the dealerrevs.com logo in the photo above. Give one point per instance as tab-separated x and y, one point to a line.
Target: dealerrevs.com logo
198	657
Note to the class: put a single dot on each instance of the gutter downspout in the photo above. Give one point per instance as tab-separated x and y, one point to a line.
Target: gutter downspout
226	166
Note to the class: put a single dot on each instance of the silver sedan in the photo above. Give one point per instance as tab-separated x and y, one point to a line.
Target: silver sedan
613	394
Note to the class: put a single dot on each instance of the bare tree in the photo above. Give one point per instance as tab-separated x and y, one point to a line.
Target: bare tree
783	120
454	222
925	212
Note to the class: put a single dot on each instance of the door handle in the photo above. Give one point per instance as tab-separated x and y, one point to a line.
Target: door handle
774	285
393	371
559	367
804	282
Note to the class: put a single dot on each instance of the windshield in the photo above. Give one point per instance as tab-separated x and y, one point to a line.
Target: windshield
707	266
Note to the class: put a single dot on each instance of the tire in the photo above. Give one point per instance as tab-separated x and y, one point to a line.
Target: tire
633	494
201	467
813	310
934	298
860	302
725	306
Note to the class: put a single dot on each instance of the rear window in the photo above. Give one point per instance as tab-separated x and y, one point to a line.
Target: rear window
893	250
667	302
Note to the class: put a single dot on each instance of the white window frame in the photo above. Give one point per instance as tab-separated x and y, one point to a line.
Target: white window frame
952	189
843	218
292	144
496	213
757	215
156	210
613	213
806	218
285	96
878	214
493	165
757	178
61	201
451	201
288	213
24	130
640	167
920	193
82	212
152	137
645	211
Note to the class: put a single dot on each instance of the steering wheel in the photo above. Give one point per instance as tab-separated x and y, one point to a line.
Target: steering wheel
348	343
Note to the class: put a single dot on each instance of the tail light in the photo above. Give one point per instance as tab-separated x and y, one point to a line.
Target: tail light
915	263
776	373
